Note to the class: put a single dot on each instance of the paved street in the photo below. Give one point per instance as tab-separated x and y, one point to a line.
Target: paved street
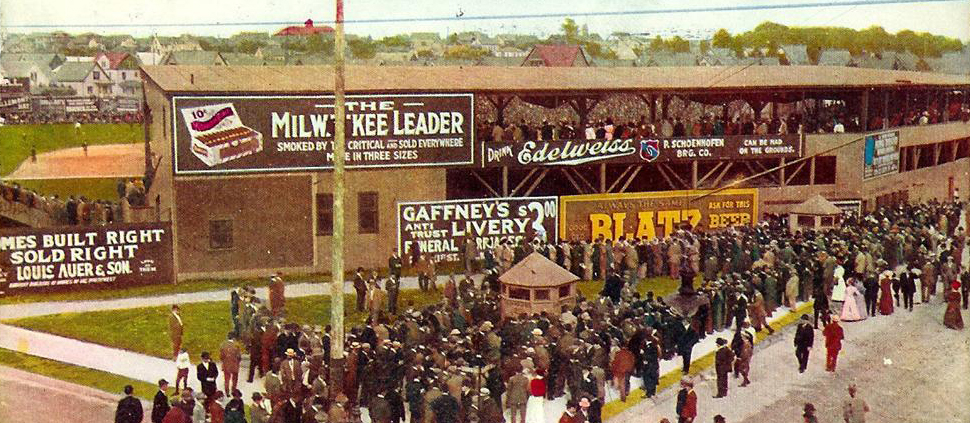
908	367
28	397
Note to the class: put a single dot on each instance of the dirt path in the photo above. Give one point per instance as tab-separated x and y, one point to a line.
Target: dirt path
100	161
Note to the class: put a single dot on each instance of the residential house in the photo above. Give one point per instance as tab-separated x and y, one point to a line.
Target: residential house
271	52
794	55
85	78
556	55
208	58
831	57
51	60
508	51
666	58
167	45
306	29
953	62
627	47
149	58
242	59
123	70
39	75
395	56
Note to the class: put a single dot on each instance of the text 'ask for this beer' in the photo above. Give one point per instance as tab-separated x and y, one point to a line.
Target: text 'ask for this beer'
654	214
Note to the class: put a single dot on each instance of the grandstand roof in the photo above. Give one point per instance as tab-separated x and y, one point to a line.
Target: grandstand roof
311	79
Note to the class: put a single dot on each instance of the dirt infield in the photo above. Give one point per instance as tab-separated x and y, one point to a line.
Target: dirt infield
101	161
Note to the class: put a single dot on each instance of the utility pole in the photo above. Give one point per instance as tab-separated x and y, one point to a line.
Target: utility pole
337	240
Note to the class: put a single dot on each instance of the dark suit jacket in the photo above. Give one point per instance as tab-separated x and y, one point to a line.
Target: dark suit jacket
204	374
723	360
160	407
804	336
129	410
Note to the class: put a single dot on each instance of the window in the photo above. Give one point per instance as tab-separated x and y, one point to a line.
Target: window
542	294
806	221
124	75
564	291
90	90
324	214
367	213
97	75
828	221
220	234
518	294
825	167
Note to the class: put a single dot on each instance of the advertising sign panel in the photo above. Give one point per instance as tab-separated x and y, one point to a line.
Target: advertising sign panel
881	154
440	228
220	135
633	151
654	214
85	257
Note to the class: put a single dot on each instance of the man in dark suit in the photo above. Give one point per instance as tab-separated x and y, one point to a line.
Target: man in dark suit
804	339
723	360
686	402
160	404
292	412
394	264
871	285
360	286
129	408
207	373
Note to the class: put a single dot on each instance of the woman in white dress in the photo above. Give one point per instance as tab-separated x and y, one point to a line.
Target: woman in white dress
851	312
535	407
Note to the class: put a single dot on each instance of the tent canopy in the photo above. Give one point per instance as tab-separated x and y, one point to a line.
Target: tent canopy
816	206
536	271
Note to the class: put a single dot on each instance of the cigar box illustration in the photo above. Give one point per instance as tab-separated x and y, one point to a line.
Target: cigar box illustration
218	135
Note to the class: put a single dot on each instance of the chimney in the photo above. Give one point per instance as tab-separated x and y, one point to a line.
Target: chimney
192	78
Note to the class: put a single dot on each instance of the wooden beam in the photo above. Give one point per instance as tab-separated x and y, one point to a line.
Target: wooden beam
811	171
505	181
683	183
523	181
620	178
485	184
630	179
936	154
915	157
781	173
795	173
573	181
693	174
536	182
603	178
584	180
724	171
710	172
667	178
954	146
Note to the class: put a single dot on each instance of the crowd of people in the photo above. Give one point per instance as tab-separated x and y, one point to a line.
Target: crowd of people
79	210
88	117
628	118
460	361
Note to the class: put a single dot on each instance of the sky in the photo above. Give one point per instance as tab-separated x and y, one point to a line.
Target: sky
173	17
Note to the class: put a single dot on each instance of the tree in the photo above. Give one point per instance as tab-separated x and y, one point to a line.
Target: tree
677	45
452	38
656	44
425	54
398	41
570	30
249	46
320	44
362	48
705	46
465	52
722	39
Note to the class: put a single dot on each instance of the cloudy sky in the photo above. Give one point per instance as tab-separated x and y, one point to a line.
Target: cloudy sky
172	17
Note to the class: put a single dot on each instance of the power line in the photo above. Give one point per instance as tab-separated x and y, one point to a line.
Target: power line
467	17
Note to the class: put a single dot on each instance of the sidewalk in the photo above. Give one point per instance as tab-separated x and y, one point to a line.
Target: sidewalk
293	290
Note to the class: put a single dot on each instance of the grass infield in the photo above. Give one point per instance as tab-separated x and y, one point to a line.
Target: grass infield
108	382
17	140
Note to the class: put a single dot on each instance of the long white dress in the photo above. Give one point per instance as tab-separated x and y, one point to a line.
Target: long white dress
535	408
850	309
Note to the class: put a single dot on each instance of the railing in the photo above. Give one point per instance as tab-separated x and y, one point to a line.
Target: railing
30	216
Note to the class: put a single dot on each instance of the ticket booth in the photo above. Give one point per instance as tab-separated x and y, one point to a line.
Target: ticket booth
535	285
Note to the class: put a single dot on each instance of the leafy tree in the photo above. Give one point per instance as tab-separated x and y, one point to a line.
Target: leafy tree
249	46
570	30
452	38
705	46
677	45
656	44
398	41
722	39
320	44
465	52
362	48
425	54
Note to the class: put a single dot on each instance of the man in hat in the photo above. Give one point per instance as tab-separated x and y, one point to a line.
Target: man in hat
291	374
833	342
804	340
518	395
723	363
621	367
393	286
230	355
394	264
129	408
160	405
175	330
686	402
360	288
207	372
277	297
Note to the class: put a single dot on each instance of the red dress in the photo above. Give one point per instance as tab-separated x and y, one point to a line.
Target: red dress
537	387
885	297
952	318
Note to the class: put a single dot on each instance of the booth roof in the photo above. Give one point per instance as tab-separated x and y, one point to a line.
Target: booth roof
536	271
816	206
372	79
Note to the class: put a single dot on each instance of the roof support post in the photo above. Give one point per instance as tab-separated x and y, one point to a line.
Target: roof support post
864	111
500	102
946	106
693	174
603	178
885	110
811	171
906	106
505	181
664	106
781	173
